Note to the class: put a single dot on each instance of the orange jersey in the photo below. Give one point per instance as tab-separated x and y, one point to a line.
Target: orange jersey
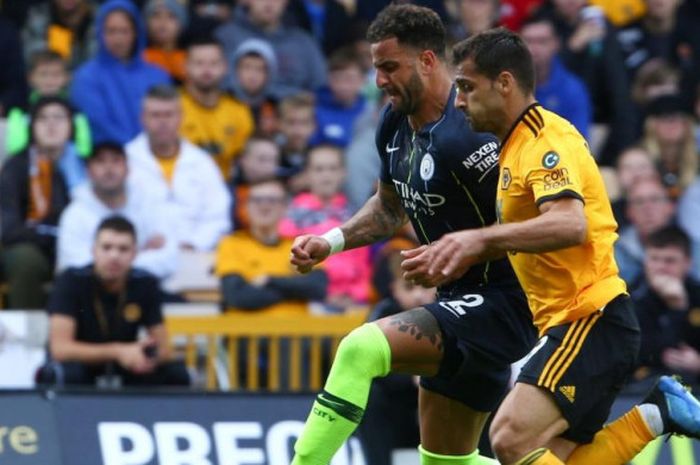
544	158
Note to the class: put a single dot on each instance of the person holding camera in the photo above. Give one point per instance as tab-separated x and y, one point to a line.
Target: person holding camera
96	312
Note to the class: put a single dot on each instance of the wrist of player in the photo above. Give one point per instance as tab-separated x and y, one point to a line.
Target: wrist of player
335	239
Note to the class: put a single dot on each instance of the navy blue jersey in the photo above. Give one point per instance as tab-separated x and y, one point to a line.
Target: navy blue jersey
446	176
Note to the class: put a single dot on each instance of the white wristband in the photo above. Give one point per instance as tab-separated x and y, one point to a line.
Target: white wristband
335	239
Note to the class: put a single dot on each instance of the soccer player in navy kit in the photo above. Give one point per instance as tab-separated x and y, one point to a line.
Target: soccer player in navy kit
442	176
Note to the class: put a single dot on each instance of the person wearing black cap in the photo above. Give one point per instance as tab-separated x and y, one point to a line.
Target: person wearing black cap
33	193
669	138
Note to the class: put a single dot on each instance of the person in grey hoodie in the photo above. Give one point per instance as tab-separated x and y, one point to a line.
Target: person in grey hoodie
108	194
254	68
300	62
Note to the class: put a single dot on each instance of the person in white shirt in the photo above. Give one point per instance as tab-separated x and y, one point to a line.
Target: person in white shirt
106	194
179	173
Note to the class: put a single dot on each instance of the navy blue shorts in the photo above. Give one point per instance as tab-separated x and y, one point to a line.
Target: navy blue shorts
484	331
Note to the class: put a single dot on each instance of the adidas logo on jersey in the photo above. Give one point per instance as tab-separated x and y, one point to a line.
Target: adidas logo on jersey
569	392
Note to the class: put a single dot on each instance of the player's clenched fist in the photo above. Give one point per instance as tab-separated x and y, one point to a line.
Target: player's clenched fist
307	251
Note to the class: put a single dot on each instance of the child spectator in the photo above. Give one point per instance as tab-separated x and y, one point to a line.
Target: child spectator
165	20
109	88
339	104
254	265
33	193
322	209
259	161
63	26
255	66
48	77
297	126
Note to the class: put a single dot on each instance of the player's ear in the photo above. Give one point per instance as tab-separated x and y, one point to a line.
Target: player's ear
427	60
505	82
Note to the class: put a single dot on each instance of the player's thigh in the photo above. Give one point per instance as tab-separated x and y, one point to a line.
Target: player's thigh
415	340
447	426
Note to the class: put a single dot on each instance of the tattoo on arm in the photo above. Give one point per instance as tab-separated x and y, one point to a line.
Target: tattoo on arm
379	218
419	323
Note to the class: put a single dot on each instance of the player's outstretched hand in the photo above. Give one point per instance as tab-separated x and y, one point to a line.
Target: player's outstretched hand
455	253
307	251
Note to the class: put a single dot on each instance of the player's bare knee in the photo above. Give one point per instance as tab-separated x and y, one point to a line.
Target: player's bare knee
510	439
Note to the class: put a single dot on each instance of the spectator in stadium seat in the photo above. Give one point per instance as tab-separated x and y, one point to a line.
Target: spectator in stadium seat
474	16
649	37
49	77
557	88
108	194
323	208
667	301
179	173
633	165
259	161
96	312
670	139
649	208
109	88
33	193
301	63
165	22
590	50
340	103
13	85
326	20
212	119
254	265
254	66
297	127
65	27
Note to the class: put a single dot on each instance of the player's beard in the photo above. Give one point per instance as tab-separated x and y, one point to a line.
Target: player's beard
411	95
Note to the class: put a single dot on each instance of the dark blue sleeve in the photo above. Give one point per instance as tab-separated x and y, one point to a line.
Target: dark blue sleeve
475	167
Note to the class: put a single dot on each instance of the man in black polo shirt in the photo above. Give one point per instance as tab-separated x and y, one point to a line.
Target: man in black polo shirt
96	312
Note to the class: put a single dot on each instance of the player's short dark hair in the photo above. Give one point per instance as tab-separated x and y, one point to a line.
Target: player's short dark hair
163	92
106	146
497	50
670	236
117	223
416	26
42	57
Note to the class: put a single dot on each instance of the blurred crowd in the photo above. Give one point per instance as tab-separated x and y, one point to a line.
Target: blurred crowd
229	127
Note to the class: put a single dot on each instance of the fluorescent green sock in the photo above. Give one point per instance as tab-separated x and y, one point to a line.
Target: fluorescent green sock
431	458
363	355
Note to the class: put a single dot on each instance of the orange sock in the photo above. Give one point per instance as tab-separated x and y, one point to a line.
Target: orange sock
617	443
540	457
